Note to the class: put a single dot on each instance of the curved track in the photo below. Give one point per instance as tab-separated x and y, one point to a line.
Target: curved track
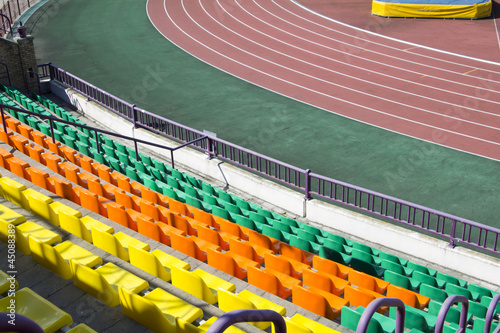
278	45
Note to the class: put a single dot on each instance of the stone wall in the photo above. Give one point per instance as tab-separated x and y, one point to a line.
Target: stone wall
19	55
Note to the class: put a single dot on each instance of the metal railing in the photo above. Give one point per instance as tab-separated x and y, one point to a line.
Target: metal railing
452	228
13	9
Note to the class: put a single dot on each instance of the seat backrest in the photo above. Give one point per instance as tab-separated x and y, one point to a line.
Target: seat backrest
397	279
144	312
192	284
148	263
229	302
350	318
263	280
317	280
73	225
325	265
312	301
433	293
357	297
94	284
48	257
109	243
363	280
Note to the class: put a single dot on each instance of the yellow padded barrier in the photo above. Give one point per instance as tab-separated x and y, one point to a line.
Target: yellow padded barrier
467	11
44	313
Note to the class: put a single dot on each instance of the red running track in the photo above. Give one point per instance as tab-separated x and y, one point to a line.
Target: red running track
281	46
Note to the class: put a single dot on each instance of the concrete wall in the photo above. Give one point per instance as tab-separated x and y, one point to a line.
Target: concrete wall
412	245
19	55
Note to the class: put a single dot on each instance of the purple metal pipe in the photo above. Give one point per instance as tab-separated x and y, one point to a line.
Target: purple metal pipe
248	315
444	311
375	305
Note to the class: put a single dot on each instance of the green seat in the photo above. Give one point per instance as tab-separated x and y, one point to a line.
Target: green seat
365	248
146	159
282	226
247	223
82	148
337	246
190	190
197	203
333	255
209	199
350	318
275	233
416	319
221	212
174	183
481	290
478	326
365	256
312	237
339	239
366	267
476	309
123	158
149	181
485	300
433	293
451	279
158	174
304	244
396	267
71	132
69	141
401	281
193	181
257	217
453	289
177	174
388	324
421	268
159	165
110	151
427	279
453	315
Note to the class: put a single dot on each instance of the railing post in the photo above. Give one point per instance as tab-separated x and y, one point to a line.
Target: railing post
210	149
52	131
172	158
3	121
307	185
444	311
97	142
452	234
134	116
491	313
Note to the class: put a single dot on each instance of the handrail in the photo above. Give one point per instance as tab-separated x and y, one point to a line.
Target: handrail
96	130
452	228
248	315
444	311
367	315
5	74
490	314
22	324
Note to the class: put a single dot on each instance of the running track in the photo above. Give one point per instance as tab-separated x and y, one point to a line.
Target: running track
281	46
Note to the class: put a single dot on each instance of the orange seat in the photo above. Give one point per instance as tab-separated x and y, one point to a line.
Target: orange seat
68	153
103	172
61	187
149	209
179	208
330	267
85	163
285	265
166	230
408	297
191	246
38	177
70	172
227	264
89	200
335	302
361	297
25	131
18	166
296	254
181	223
204	217
52	145
314	302
52	162
150	195
148	229
264	241
94	185
231	228
20	143
126	199
84	178
366	281
4	155
39	138
213	237
35	152
12	123
324	281
268	280
246	250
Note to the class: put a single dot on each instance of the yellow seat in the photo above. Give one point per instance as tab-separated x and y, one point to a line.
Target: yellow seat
38	203
7	282
28	303
12	191
193	284
205	326
247	300
81	328
103	283
80	227
116	244
313	325
213	281
158	309
57	258
293	327
57	207
156	263
7	217
36	231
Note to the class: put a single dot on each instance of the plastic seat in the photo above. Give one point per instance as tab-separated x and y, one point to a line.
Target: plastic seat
158	309
453	315
401	281
192	246
396	267
212	236
13	191
116	244
324	281
330	267
417	319
81	328
264	241
34	230
318	303
366	267
156	263
7	283
429	280
247	300
269	281
81	227
334	255
57	207
285	265
28	303
408	297
230	263
103	283
433	293
365	256
8	217
366	281
388	324
359	296
453	289
38	203
350	318
481	290
200	284
451	279
421	268
57	258
246	250
290	251
275	233
312	325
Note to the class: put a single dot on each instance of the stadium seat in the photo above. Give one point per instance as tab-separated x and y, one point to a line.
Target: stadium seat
81	328
156	263
367	267
247	300
8	217
324	281
429	280
28	303
416	319
451	279
31	229
366	281
116	244
157	309
334	255
103	283
285	265
481	290
7	283
350	318
359	296
433	293
453	315
81	227
421	268
12	191
330	267
57	258
408	297
192	246
268	280
318	303
245	249
312	325
200	284
232	264
402	281
264	241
